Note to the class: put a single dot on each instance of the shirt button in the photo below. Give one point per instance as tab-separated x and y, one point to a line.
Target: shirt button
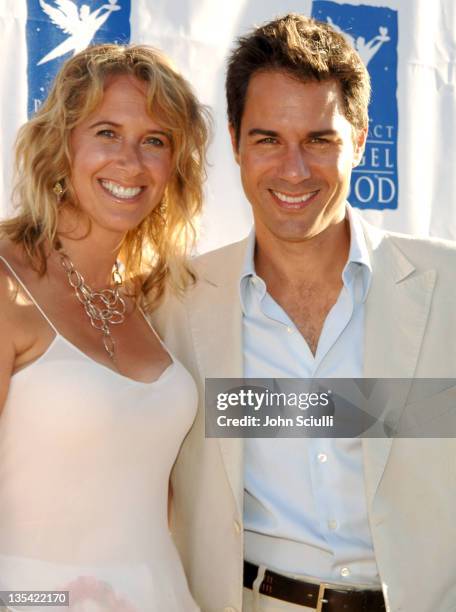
322	457
237	527
332	524
345	572
290	330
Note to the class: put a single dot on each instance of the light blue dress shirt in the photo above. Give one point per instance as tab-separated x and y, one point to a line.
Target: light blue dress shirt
305	503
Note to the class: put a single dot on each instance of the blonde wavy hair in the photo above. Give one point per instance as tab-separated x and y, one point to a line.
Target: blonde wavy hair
159	245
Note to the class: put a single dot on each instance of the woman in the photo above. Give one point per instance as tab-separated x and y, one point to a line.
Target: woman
94	407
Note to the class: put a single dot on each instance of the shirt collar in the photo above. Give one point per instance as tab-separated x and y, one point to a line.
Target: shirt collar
358	255
248	268
249	278
358	261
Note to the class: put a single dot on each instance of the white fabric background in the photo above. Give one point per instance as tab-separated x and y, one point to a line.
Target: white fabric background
198	34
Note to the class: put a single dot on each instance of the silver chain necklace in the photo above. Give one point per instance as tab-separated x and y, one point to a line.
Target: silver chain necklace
104	308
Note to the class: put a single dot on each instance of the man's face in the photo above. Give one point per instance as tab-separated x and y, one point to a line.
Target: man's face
296	151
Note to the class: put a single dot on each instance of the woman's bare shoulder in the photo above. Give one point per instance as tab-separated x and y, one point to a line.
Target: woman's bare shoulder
21	324
9	292
14	270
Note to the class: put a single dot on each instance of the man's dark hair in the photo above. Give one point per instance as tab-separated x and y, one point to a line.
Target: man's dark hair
307	50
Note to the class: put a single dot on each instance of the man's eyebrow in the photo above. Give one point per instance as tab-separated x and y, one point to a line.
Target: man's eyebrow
274	134
261	132
320	133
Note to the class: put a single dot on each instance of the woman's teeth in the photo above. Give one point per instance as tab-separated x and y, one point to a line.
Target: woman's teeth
121	192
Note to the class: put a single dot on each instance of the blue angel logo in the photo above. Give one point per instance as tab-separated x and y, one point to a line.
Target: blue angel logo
81	25
366	50
58	29
373	32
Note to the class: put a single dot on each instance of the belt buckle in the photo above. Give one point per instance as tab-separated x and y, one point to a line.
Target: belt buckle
321	596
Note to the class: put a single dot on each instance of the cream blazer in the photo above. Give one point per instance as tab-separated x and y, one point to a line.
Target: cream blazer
410	331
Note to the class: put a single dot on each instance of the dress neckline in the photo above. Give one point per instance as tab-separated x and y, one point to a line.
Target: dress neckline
58	337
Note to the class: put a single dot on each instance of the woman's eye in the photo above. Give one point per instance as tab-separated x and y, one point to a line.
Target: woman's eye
106	133
154	141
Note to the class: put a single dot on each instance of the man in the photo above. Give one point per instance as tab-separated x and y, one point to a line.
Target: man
326	524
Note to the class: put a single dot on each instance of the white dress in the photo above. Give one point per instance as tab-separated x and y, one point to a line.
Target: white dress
85	458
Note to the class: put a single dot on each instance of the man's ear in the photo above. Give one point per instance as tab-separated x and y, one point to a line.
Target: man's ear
360	143
234	143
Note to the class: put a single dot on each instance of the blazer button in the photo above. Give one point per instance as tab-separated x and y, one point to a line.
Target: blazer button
237	527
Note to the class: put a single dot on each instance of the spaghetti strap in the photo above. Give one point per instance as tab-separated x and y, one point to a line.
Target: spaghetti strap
24	287
151	327
149	324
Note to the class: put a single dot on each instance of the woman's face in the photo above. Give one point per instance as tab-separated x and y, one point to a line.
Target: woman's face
121	158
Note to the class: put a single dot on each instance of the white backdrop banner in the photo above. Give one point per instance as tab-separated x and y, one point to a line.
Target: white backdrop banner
407	179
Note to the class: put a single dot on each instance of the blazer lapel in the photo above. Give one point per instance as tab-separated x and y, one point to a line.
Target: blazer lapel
396	314
217	337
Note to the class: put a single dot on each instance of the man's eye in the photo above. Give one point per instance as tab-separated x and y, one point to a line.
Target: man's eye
322	142
268	140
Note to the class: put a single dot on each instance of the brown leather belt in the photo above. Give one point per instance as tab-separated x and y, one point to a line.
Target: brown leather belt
322	597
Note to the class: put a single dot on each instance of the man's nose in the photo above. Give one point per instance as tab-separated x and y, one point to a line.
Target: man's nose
295	165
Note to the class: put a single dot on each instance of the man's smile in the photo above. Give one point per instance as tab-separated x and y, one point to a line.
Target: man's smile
296	201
